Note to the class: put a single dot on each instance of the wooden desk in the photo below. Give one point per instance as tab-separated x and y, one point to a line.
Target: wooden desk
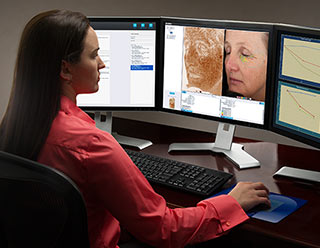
300	229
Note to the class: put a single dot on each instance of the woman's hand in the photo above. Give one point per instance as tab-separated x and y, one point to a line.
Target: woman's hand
250	194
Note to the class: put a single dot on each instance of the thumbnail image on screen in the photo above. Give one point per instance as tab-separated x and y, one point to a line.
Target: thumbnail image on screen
128	50
215	72
298	86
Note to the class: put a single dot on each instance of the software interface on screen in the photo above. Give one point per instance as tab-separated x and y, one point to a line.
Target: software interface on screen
128	51
215	72
298	86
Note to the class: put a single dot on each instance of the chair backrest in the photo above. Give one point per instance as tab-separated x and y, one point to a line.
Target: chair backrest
39	206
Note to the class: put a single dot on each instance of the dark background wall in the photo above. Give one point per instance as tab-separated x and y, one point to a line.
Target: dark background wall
15	14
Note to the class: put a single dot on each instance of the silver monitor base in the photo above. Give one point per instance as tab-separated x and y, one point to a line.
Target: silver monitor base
224	145
130	141
123	140
309	175
237	155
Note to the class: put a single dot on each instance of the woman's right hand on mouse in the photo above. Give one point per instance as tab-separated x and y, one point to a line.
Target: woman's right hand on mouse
250	194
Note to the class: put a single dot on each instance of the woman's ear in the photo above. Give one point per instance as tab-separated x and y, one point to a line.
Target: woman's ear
65	72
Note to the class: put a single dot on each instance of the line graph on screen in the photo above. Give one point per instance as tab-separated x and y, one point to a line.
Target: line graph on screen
300	107
301	60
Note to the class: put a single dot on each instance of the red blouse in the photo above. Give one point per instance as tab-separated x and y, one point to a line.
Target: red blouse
115	191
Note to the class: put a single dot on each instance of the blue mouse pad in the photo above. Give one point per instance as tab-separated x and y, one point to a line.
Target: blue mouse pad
281	207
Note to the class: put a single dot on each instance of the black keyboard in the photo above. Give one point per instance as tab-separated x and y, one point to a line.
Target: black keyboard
179	175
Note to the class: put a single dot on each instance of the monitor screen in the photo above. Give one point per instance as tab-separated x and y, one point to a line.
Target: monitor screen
128	48
297	84
217	70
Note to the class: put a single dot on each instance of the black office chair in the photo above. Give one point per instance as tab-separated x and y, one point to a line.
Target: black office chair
39	206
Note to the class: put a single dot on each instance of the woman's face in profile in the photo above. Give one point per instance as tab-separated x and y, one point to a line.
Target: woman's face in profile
246	63
85	73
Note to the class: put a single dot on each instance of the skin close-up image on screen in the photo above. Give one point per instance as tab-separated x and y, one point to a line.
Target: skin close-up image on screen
203	60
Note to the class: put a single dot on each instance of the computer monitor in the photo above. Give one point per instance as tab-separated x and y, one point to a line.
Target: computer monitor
218	70
129	48
296	103
296	98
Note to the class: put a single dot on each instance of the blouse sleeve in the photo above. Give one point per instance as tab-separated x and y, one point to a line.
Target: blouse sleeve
128	196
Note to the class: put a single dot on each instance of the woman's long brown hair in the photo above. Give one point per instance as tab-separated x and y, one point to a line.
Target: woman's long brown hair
47	39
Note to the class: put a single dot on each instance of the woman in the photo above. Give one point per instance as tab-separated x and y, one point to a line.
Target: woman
246	63
57	60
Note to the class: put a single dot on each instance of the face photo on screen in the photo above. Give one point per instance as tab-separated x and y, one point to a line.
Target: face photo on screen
246	57
203	60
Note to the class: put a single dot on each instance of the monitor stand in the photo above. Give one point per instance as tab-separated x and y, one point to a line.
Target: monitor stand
222	144
106	125
308	175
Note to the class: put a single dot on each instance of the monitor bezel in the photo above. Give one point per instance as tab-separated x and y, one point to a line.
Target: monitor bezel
294	30
155	19
226	24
